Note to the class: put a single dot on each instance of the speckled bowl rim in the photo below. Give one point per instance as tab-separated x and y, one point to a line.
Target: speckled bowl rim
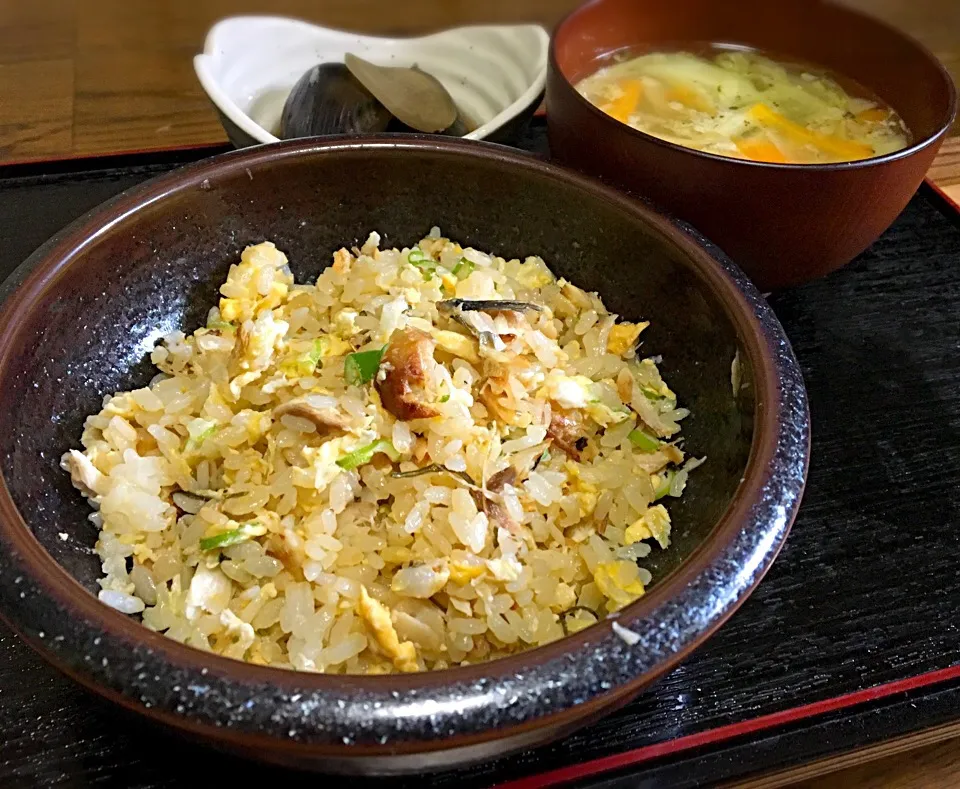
566	681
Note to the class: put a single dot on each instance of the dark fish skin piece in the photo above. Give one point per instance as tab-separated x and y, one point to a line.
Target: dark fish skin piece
457	309
435	468
497	482
467	305
566	431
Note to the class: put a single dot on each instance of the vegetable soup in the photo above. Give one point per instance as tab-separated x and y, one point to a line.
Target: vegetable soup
743	104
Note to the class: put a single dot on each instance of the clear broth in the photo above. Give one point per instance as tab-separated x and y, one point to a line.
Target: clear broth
745	104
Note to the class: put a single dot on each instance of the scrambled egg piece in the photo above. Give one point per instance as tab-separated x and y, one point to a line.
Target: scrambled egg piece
198	431
305	355
457	344
569	391
648	369
323	465
143	554
586	492
655	523
587	499
605	415
345	322
121	405
377	617
507	569
259	339
230	309
396	554
672	453
577	620
532	273
449	281
623	337
335	346
256	423
241	632
274	298
578	297
377	669
619	581
237	384
215	400
462	573
566	597
209	591
258	283
342	261
578	391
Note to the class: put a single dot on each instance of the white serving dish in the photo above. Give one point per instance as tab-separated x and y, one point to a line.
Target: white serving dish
494	73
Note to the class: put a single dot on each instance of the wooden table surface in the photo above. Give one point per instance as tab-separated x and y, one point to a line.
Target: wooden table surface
89	77
82	77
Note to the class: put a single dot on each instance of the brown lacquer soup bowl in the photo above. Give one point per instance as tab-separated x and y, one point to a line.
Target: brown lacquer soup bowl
783	224
81	315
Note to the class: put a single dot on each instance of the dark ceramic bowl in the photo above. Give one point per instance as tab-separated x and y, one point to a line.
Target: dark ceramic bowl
783	224
88	306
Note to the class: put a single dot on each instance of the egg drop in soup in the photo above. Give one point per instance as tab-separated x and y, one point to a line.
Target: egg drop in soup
743	104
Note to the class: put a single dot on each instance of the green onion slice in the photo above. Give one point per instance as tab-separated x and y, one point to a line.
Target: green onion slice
360	367
643	441
244	532
362	456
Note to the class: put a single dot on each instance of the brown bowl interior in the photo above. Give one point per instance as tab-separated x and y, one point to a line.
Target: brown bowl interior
783	224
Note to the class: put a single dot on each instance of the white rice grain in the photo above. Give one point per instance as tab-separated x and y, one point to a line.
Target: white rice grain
249	535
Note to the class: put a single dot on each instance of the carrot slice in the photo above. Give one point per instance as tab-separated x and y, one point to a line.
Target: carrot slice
623	106
873	115
760	150
844	149
689	97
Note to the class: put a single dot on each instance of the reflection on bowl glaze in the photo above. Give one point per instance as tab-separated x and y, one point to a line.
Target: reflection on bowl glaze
190	225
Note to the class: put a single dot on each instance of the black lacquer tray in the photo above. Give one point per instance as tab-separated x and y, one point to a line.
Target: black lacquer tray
851	640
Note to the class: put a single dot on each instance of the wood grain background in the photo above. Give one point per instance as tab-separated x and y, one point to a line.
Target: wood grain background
88	77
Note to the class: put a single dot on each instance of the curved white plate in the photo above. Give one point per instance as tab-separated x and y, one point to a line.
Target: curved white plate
250	63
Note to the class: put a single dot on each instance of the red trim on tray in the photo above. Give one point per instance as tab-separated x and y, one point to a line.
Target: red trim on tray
721	733
949	200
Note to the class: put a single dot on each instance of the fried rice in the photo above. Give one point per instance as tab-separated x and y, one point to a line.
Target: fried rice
431	457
